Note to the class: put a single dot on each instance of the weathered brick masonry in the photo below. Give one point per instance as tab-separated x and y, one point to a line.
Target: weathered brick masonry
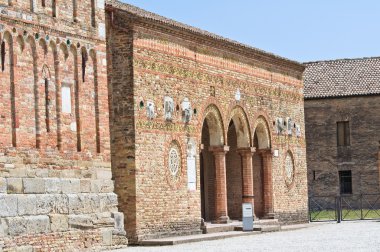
56	191
179	93
361	157
346	90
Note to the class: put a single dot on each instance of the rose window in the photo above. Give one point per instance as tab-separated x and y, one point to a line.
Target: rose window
174	161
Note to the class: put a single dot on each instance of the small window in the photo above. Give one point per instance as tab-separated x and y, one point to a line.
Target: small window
47	103
3	56
43	3
75	10
54	8
314	175
93	14
343	133
345	180
66	99
84	64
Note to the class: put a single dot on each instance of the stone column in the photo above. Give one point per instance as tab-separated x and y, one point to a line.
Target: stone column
221	210
247	173
268	184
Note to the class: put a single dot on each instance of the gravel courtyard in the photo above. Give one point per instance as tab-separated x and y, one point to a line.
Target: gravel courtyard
347	236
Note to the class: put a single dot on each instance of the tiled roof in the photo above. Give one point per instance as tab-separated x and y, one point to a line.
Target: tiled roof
170	22
344	77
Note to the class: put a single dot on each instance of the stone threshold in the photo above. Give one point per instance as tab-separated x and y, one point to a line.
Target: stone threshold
263	228
195	238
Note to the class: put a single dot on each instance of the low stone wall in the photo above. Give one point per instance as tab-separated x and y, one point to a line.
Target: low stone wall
46	207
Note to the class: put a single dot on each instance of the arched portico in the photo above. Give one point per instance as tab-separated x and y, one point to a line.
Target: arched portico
262	169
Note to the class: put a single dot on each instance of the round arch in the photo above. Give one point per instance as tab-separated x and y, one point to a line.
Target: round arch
64	50
241	123
261	134
213	118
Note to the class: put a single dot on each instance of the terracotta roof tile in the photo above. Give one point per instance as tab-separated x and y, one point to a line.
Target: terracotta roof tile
344	77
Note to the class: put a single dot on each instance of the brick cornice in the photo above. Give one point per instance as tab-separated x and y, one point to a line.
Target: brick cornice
250	55
46	29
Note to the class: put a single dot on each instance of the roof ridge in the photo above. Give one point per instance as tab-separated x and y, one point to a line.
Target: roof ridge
342	78
168	21
340	60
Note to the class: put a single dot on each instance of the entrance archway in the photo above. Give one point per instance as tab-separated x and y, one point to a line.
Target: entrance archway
262	170
238	139
212	136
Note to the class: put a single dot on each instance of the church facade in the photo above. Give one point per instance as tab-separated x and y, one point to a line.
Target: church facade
199	125
118	125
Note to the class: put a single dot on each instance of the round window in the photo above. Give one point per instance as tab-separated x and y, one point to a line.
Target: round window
174	161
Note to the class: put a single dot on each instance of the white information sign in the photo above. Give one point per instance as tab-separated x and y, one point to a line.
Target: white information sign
247	210
191	174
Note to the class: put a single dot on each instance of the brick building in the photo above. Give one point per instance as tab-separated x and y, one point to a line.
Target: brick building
342	117
56	190
199	125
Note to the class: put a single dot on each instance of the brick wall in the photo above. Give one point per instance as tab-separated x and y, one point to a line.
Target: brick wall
151	61
326	159
55	171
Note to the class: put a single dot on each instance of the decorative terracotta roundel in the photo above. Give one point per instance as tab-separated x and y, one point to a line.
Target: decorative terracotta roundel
289	168
174	161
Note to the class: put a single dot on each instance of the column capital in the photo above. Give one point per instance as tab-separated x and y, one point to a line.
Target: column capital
219	149
265	151
246	150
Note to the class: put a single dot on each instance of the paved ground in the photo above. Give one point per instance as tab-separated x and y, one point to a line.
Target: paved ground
347	236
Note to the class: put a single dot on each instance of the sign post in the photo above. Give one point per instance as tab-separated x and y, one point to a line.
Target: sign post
247	217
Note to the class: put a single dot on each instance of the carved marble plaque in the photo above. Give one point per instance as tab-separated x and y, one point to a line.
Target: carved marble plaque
280	127
150	110
191	174
298	130
289	126
168	108
186	110
238	95
191	165
289	168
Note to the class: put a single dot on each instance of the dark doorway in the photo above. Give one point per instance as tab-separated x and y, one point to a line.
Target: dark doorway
233	175
345	180
258	178
207	176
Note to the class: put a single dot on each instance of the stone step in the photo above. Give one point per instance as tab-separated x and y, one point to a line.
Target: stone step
194	238
263	225
210	228
218	229
264	222
264	228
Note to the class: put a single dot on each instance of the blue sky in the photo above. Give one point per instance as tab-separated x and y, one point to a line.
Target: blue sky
302	30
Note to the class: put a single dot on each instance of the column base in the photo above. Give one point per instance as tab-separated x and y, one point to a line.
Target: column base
222	220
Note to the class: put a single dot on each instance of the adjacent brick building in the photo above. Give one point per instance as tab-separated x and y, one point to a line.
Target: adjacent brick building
342	117
56	191
199	125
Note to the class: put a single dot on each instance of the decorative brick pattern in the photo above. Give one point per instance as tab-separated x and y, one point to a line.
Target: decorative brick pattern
56	190
151	58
